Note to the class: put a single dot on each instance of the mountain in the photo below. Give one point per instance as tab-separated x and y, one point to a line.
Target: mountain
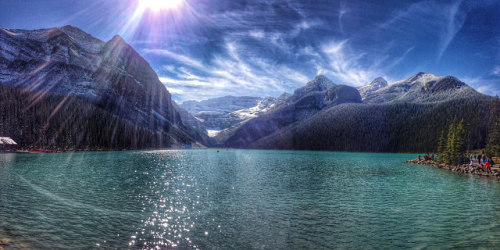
215	114
305	102
111	76
422	88
225	113
375	85
407	116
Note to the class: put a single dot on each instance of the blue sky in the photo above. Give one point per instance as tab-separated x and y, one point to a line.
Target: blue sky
211	48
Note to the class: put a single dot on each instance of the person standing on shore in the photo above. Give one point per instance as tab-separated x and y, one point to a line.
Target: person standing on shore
487	165
479	159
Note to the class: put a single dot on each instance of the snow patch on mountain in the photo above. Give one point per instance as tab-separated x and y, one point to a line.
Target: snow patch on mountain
375	85
422	88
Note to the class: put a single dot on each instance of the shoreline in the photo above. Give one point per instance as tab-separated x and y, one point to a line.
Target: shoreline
464	169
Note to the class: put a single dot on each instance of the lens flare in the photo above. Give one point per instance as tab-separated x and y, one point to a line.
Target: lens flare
157	5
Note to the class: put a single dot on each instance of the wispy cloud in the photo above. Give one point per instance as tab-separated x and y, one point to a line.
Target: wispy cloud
177	57
230	72
496	70
342	11
455	20
483	85
437	21
344	64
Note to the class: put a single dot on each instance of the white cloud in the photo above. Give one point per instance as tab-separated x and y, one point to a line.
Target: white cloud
485	86
181	58
344	64
422	19
456	19
229	73
257	34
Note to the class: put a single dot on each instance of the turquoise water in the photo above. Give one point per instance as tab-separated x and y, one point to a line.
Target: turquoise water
242	199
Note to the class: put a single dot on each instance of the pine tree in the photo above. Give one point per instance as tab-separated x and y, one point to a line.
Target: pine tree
441	146
494	114
493	146
455	146
459	143
448	153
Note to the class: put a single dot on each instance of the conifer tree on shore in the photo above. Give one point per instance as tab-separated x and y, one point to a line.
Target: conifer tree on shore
459	143
493	146
494	114
454	151
441	144
447	155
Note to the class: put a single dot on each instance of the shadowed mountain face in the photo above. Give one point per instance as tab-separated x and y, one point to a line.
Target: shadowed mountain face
305	102
112	76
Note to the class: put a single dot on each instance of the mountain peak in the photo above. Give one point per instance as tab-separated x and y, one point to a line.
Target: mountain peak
319	83
321	77
117	39
379	82
373	86
70	28
421	76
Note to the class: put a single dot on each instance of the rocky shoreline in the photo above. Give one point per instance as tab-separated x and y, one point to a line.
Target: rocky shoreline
461	169
4	242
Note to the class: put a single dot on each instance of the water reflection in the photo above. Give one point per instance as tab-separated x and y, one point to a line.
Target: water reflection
171	202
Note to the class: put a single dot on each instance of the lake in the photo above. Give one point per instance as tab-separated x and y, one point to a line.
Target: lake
219	199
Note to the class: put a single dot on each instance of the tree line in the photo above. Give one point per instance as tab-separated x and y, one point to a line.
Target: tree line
452	145
45	120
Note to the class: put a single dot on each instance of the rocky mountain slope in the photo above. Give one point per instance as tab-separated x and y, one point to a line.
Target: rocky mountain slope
111	76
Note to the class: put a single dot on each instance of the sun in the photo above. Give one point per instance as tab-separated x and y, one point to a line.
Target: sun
158	5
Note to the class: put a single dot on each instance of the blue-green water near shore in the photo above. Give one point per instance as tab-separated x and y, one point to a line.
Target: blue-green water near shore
242	199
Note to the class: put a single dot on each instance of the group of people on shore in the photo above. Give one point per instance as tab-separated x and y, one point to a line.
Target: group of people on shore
426	157
481	162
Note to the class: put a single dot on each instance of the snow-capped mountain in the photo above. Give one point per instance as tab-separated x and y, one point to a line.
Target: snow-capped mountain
422	88
222	113
375	85
111	75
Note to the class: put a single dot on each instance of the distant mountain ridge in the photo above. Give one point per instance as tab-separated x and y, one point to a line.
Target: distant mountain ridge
422	87
226	112
325	116
110	75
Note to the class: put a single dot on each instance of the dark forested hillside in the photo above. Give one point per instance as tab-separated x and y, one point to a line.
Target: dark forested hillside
38	119
406	116
397	127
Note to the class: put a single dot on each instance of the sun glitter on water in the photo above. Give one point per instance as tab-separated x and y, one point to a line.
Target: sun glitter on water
157	5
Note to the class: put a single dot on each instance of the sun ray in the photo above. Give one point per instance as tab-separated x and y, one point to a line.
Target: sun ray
158	5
